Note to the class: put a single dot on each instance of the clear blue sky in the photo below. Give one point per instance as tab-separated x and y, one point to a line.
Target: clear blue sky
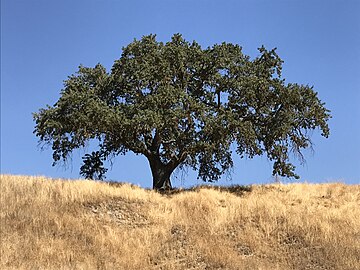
42	42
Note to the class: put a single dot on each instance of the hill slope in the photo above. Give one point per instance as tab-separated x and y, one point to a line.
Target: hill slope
57	224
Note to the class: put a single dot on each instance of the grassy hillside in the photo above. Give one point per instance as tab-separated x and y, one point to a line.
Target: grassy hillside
57	224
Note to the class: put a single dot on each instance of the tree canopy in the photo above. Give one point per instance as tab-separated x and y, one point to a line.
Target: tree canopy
181	105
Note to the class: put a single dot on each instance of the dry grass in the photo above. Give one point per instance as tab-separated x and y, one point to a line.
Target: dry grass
57	224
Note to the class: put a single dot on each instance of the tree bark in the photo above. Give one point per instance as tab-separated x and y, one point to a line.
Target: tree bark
161	174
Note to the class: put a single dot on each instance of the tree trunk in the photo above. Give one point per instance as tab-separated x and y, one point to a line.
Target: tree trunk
161	174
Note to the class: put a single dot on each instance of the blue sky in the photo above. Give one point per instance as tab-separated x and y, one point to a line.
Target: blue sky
43	42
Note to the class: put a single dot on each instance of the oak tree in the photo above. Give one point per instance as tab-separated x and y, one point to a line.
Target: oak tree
181	105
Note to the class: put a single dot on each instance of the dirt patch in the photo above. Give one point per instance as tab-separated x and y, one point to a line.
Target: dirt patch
125	213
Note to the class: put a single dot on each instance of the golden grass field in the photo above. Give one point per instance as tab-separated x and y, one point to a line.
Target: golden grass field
59	224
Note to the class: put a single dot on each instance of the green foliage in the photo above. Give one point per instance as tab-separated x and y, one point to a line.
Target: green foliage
93	167
181	105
